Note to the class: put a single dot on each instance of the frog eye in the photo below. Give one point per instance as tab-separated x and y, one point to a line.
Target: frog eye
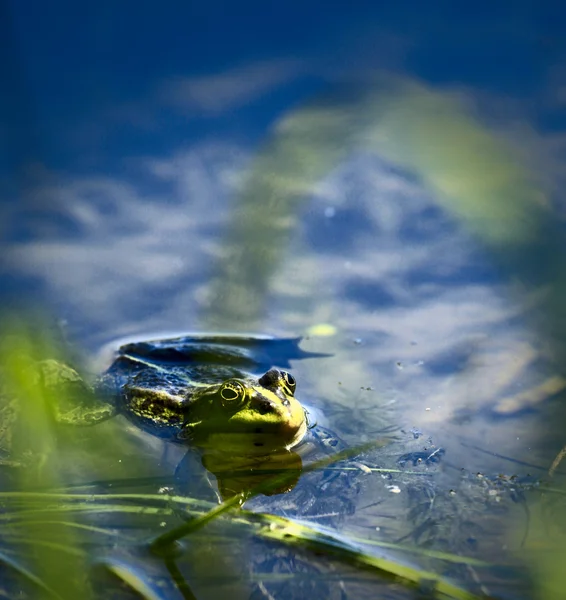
270	379
232	394
290	382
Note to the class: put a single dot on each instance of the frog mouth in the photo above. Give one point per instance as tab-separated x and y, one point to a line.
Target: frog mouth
258	442
299	435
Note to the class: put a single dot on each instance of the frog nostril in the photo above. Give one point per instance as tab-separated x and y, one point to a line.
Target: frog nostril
263	405
264	408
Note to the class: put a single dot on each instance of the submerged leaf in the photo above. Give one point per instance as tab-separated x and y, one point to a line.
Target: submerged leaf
28	575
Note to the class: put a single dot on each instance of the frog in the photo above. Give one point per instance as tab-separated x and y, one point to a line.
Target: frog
229	400
209	392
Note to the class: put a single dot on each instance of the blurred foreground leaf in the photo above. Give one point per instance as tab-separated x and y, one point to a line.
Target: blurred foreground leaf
28	407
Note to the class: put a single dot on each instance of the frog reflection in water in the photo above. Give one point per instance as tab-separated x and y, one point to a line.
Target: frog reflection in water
195	393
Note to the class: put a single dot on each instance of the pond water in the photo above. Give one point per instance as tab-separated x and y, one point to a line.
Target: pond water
359	188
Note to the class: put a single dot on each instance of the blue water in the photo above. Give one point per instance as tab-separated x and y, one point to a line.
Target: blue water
175	167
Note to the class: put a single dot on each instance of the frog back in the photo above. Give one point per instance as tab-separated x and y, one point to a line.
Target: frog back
157	397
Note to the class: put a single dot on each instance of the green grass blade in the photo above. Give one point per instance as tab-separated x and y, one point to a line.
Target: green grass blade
296	534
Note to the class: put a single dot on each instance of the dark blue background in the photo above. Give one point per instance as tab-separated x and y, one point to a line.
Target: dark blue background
66	65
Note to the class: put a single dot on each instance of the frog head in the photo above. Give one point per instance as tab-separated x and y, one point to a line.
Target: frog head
246	415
